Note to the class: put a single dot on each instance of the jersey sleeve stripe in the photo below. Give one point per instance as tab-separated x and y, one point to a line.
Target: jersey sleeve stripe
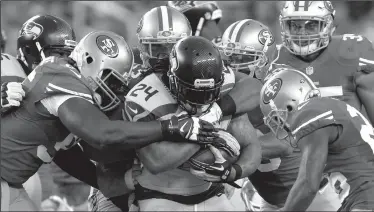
55	87
363	60
325	114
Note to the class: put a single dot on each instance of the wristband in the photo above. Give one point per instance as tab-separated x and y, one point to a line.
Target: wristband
168	127
238	171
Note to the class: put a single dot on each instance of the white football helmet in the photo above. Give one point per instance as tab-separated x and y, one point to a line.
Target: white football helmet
247	45
306	26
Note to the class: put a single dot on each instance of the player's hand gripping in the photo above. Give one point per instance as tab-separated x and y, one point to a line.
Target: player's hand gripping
227	142
12	94
219	171
186	127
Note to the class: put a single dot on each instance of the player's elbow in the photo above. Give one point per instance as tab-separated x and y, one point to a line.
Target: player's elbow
151	162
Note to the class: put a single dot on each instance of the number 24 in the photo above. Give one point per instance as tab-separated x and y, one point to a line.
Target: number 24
147	90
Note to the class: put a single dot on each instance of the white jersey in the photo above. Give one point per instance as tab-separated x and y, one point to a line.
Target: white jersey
150	100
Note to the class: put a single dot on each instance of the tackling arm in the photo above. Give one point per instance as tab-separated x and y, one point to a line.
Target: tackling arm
250	154
314	148
162	156
87	122
274	148
243	98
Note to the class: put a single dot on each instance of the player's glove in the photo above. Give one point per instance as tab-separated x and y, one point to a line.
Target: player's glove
213	114
12	94
227	142
219	171
183	126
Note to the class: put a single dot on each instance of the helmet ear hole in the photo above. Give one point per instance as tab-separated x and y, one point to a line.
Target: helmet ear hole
89	60
289	108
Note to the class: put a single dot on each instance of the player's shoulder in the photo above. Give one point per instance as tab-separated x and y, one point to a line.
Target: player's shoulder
11	67
314	114
149	98
348	46
57	76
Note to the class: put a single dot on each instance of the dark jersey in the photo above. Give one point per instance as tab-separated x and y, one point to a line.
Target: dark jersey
335	69
350	161
31	135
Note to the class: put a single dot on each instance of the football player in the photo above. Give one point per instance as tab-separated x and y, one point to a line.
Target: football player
247	46
342	66
66	95
328	132
193	85
203	16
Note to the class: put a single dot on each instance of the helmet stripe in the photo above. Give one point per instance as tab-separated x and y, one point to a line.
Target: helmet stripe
240	31
232	29
159	16
165	18
306	5
236	29
170	19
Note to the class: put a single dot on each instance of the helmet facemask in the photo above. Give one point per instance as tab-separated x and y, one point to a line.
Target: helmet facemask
202	93
108	85
316	34
276	120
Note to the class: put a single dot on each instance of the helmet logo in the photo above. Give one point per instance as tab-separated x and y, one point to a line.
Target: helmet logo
204	83
107	45
309	70
264	35
272	90
32	28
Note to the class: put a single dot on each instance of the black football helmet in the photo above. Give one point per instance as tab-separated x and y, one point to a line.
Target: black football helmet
41	35
3	40
196	72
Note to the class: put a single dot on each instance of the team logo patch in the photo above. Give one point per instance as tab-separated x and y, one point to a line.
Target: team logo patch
309	70
328	6
264	35
32	28
182	5
140	26
272	90
107	45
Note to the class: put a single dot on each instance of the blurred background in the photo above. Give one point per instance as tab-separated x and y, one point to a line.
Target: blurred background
353	17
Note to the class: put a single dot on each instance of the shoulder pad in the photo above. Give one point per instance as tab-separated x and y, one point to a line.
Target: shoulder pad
59	78
151	96
312	115
11	67
229	80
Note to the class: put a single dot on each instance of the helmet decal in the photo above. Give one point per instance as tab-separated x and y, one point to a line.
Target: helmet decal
107	45
272	90
32	28
140	25
328	6
264	35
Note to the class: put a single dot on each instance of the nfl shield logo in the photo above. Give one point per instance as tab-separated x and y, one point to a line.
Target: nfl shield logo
309	70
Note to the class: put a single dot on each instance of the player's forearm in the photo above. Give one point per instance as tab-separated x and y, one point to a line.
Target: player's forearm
272	147
300	196
74	162
237	101
162	156
249	159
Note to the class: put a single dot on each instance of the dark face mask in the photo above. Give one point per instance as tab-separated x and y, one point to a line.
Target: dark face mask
160	64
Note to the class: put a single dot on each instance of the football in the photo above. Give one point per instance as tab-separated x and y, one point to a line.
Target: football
206	156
